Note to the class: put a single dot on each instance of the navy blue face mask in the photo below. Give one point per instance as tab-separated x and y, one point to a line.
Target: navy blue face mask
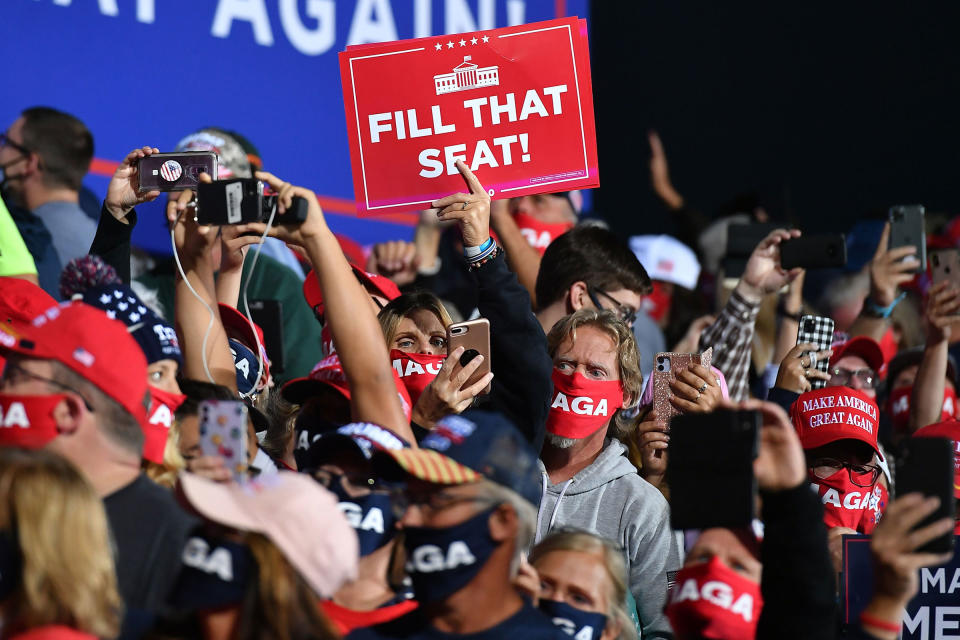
577	623
371	516
215	575
10	564
441	561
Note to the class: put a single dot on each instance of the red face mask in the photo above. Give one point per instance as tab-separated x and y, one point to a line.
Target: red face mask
843	502
898	406
416	370
581	406
711	600
27	421
657	302
162	405
540	234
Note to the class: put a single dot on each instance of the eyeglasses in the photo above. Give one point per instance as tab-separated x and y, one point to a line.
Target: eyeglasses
862	475
401	499
866	377
5	141
14	374
625	313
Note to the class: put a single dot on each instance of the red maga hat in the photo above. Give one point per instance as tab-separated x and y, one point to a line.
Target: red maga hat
85	340
825	415
372	282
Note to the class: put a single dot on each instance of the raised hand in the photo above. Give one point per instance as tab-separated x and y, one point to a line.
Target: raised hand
653	439
660	173
447	394
943	305
470	210
890	268
798	368
763	273
123	192
396	259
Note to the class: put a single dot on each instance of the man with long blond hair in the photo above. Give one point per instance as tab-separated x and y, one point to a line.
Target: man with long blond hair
56	565
588	482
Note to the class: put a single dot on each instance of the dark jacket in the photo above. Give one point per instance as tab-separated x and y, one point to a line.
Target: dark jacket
40	245
522	369
112	242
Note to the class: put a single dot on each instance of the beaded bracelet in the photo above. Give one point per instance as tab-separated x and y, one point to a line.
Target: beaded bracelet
496	251
477	257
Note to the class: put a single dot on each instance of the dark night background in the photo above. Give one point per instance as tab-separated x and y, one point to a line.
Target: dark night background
831	111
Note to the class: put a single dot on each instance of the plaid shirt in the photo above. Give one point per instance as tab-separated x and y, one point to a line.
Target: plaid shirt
731	337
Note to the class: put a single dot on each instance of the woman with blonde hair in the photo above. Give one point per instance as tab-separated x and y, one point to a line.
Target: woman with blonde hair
415	326
583	584
57	577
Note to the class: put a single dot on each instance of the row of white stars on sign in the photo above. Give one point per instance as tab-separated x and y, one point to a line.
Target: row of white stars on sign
462	43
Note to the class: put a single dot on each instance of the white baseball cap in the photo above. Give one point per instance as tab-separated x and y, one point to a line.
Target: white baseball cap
666	258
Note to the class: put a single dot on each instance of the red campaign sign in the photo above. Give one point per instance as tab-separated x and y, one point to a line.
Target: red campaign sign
515	104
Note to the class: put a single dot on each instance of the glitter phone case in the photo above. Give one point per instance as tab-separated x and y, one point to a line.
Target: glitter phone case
817	330
223	433
665	366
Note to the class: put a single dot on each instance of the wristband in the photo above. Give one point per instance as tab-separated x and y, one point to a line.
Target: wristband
471	252
492	255
886	625
873	310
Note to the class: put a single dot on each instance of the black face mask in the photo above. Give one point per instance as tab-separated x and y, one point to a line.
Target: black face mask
371	516
11	563
441	561
215	575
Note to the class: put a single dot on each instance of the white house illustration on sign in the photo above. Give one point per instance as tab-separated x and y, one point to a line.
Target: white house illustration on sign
466	75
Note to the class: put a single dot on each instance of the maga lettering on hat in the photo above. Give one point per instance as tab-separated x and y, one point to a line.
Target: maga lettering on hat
825	415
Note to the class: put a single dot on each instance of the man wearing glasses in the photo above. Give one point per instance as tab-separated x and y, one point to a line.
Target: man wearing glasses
44	156
467	515
838	432
589	267
855	364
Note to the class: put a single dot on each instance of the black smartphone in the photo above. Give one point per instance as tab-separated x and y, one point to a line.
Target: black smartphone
907	229
268	314
713	453
175	171
742	239
814	252
242	200
926	465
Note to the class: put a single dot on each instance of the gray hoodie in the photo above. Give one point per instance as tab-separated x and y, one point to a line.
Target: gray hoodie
609	498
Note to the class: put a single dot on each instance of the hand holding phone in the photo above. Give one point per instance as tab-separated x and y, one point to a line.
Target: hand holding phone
474	337
818	331
907	229
223	433
666	367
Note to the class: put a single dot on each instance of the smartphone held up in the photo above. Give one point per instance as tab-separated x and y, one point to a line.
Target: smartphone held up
243	200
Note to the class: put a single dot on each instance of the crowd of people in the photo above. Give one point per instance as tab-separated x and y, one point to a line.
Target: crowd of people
393	485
